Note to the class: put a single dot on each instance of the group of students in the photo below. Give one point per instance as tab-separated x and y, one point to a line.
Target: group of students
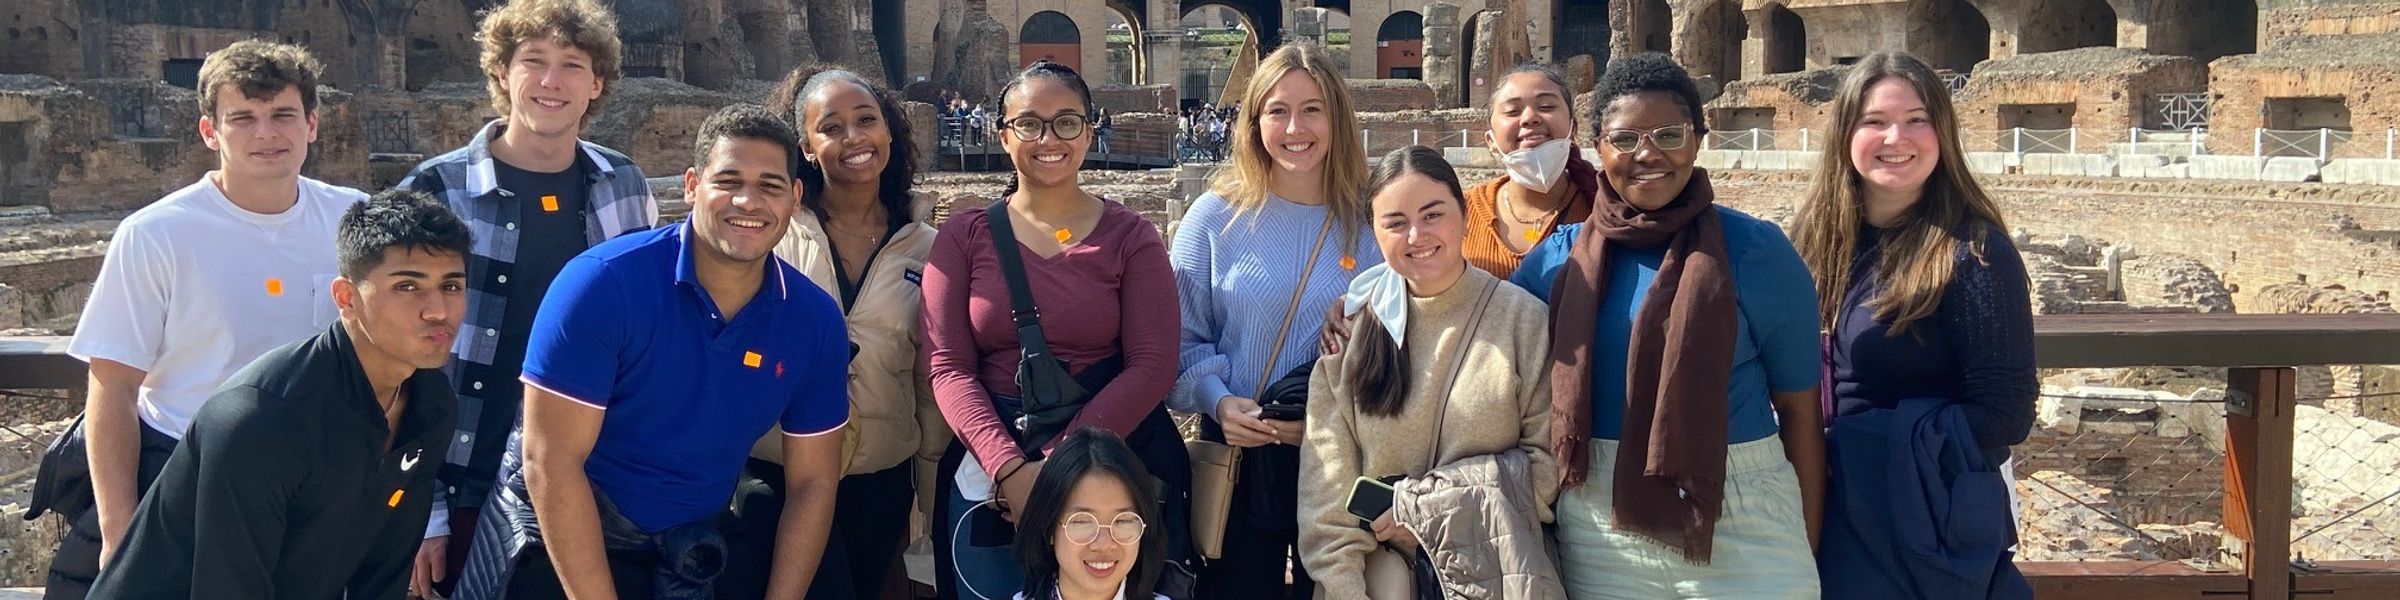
1579	380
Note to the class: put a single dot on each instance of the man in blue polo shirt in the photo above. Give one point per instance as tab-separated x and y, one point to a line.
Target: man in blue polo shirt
656	360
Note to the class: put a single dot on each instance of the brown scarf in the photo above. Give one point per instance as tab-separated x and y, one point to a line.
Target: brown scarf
1670	471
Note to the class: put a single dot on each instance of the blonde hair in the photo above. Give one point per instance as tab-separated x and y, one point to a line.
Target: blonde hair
1345	169
1919	253
583	24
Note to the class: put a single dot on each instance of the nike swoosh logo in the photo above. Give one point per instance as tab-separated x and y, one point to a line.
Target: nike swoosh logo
410	462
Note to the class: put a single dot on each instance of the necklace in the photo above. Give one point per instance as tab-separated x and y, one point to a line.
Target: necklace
1534	233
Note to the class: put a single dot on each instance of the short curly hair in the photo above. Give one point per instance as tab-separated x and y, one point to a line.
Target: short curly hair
260	70
584	24
1646	72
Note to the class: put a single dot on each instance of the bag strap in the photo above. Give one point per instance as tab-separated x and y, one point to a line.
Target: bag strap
1292	310
1458	361
1028	318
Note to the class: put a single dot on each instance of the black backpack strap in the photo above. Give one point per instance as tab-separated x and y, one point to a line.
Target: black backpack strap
1012	267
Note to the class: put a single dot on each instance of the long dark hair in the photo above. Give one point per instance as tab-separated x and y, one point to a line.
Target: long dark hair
1380	373
1040	69
789	100
1088	452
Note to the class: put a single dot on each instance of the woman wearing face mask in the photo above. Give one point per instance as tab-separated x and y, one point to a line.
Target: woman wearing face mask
1684	368
1926	300
1104	298
862	234
1256	260
1447	367
1098	520
1548	185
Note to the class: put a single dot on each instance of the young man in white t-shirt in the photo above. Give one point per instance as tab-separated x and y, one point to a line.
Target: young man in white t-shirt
201	282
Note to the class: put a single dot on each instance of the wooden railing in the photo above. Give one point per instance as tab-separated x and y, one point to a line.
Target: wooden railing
2260	353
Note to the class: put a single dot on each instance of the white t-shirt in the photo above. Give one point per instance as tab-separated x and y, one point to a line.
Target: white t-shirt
194	288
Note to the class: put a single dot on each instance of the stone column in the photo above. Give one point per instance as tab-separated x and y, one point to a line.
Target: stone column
1442	55
1754	45
1162	47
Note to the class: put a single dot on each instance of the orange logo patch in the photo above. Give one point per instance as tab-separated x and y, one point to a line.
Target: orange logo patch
752	359
1348	263
274	286
395	501
549	204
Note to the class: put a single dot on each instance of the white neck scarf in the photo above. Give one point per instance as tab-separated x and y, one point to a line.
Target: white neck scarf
1385	292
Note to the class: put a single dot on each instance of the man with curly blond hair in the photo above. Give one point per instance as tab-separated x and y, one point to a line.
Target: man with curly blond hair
194	287
536	195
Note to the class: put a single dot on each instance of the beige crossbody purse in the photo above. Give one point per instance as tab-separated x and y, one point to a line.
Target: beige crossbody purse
1216	466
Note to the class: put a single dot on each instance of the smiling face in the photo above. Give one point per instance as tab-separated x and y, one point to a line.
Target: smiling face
259	139
1293	124
406	309
1419	227
1894	147
1648	176
742	200
844	133
1046	160
1098	568
1528	110
550	87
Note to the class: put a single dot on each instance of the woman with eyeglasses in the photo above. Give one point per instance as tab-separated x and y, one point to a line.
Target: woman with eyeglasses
1683	370
1104	298
1093	509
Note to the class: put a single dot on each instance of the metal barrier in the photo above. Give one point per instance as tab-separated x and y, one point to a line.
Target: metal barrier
2182	111
2311	143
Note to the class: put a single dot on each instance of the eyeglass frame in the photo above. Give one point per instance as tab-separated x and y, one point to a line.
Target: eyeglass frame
1651	136
1049	127
1141	524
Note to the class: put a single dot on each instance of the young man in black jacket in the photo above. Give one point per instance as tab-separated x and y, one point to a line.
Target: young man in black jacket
310	473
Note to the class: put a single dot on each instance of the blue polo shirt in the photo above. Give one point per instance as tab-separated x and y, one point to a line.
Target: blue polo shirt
1775	347
627	329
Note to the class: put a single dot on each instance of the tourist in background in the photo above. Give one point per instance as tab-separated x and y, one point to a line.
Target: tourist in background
1447	368
1547	185
1925	297
537	195
1103	297
194	287
1257	258
1684	368
862	234
1091	521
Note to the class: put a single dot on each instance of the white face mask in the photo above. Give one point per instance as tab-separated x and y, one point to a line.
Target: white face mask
1540	167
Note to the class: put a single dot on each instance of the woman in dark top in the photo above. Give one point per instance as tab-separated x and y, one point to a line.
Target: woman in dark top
1926	301
1917	280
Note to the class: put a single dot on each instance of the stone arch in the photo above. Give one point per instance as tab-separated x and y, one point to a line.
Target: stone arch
2067	25
1212	67
1709	40
1785	43
1956	35
1127	62
1050	35
1400	46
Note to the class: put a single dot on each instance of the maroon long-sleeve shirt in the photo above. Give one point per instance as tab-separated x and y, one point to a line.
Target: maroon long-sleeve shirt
1113	290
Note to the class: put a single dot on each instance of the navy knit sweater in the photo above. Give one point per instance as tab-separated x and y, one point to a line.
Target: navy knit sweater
1977	347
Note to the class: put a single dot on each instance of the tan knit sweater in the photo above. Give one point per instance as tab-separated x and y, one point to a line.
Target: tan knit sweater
1500	401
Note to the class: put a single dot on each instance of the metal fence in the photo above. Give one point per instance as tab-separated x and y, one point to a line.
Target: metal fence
2320	144
2346	489
2182	111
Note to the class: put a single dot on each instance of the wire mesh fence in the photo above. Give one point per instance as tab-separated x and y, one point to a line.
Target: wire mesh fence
2122	474
2346	478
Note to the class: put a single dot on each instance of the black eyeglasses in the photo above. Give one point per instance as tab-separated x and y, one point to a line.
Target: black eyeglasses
1084	528
1671	137
1066	127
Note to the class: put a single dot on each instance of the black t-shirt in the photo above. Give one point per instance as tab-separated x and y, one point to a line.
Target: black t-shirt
551	209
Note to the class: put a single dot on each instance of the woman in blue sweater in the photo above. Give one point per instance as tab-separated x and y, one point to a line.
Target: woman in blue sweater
1922	291
1257	260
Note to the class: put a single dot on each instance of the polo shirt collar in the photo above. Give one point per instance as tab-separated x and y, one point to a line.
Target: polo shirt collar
483	173
687	274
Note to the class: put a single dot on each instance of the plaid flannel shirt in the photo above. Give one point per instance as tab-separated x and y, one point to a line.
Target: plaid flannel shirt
488	397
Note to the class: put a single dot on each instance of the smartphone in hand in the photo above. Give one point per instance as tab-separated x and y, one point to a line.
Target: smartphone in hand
1283	412
1369	499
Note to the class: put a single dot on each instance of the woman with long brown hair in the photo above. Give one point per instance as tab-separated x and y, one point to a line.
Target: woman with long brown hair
1925	298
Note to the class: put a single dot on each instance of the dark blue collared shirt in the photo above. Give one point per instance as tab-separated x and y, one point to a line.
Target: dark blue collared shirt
627	329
